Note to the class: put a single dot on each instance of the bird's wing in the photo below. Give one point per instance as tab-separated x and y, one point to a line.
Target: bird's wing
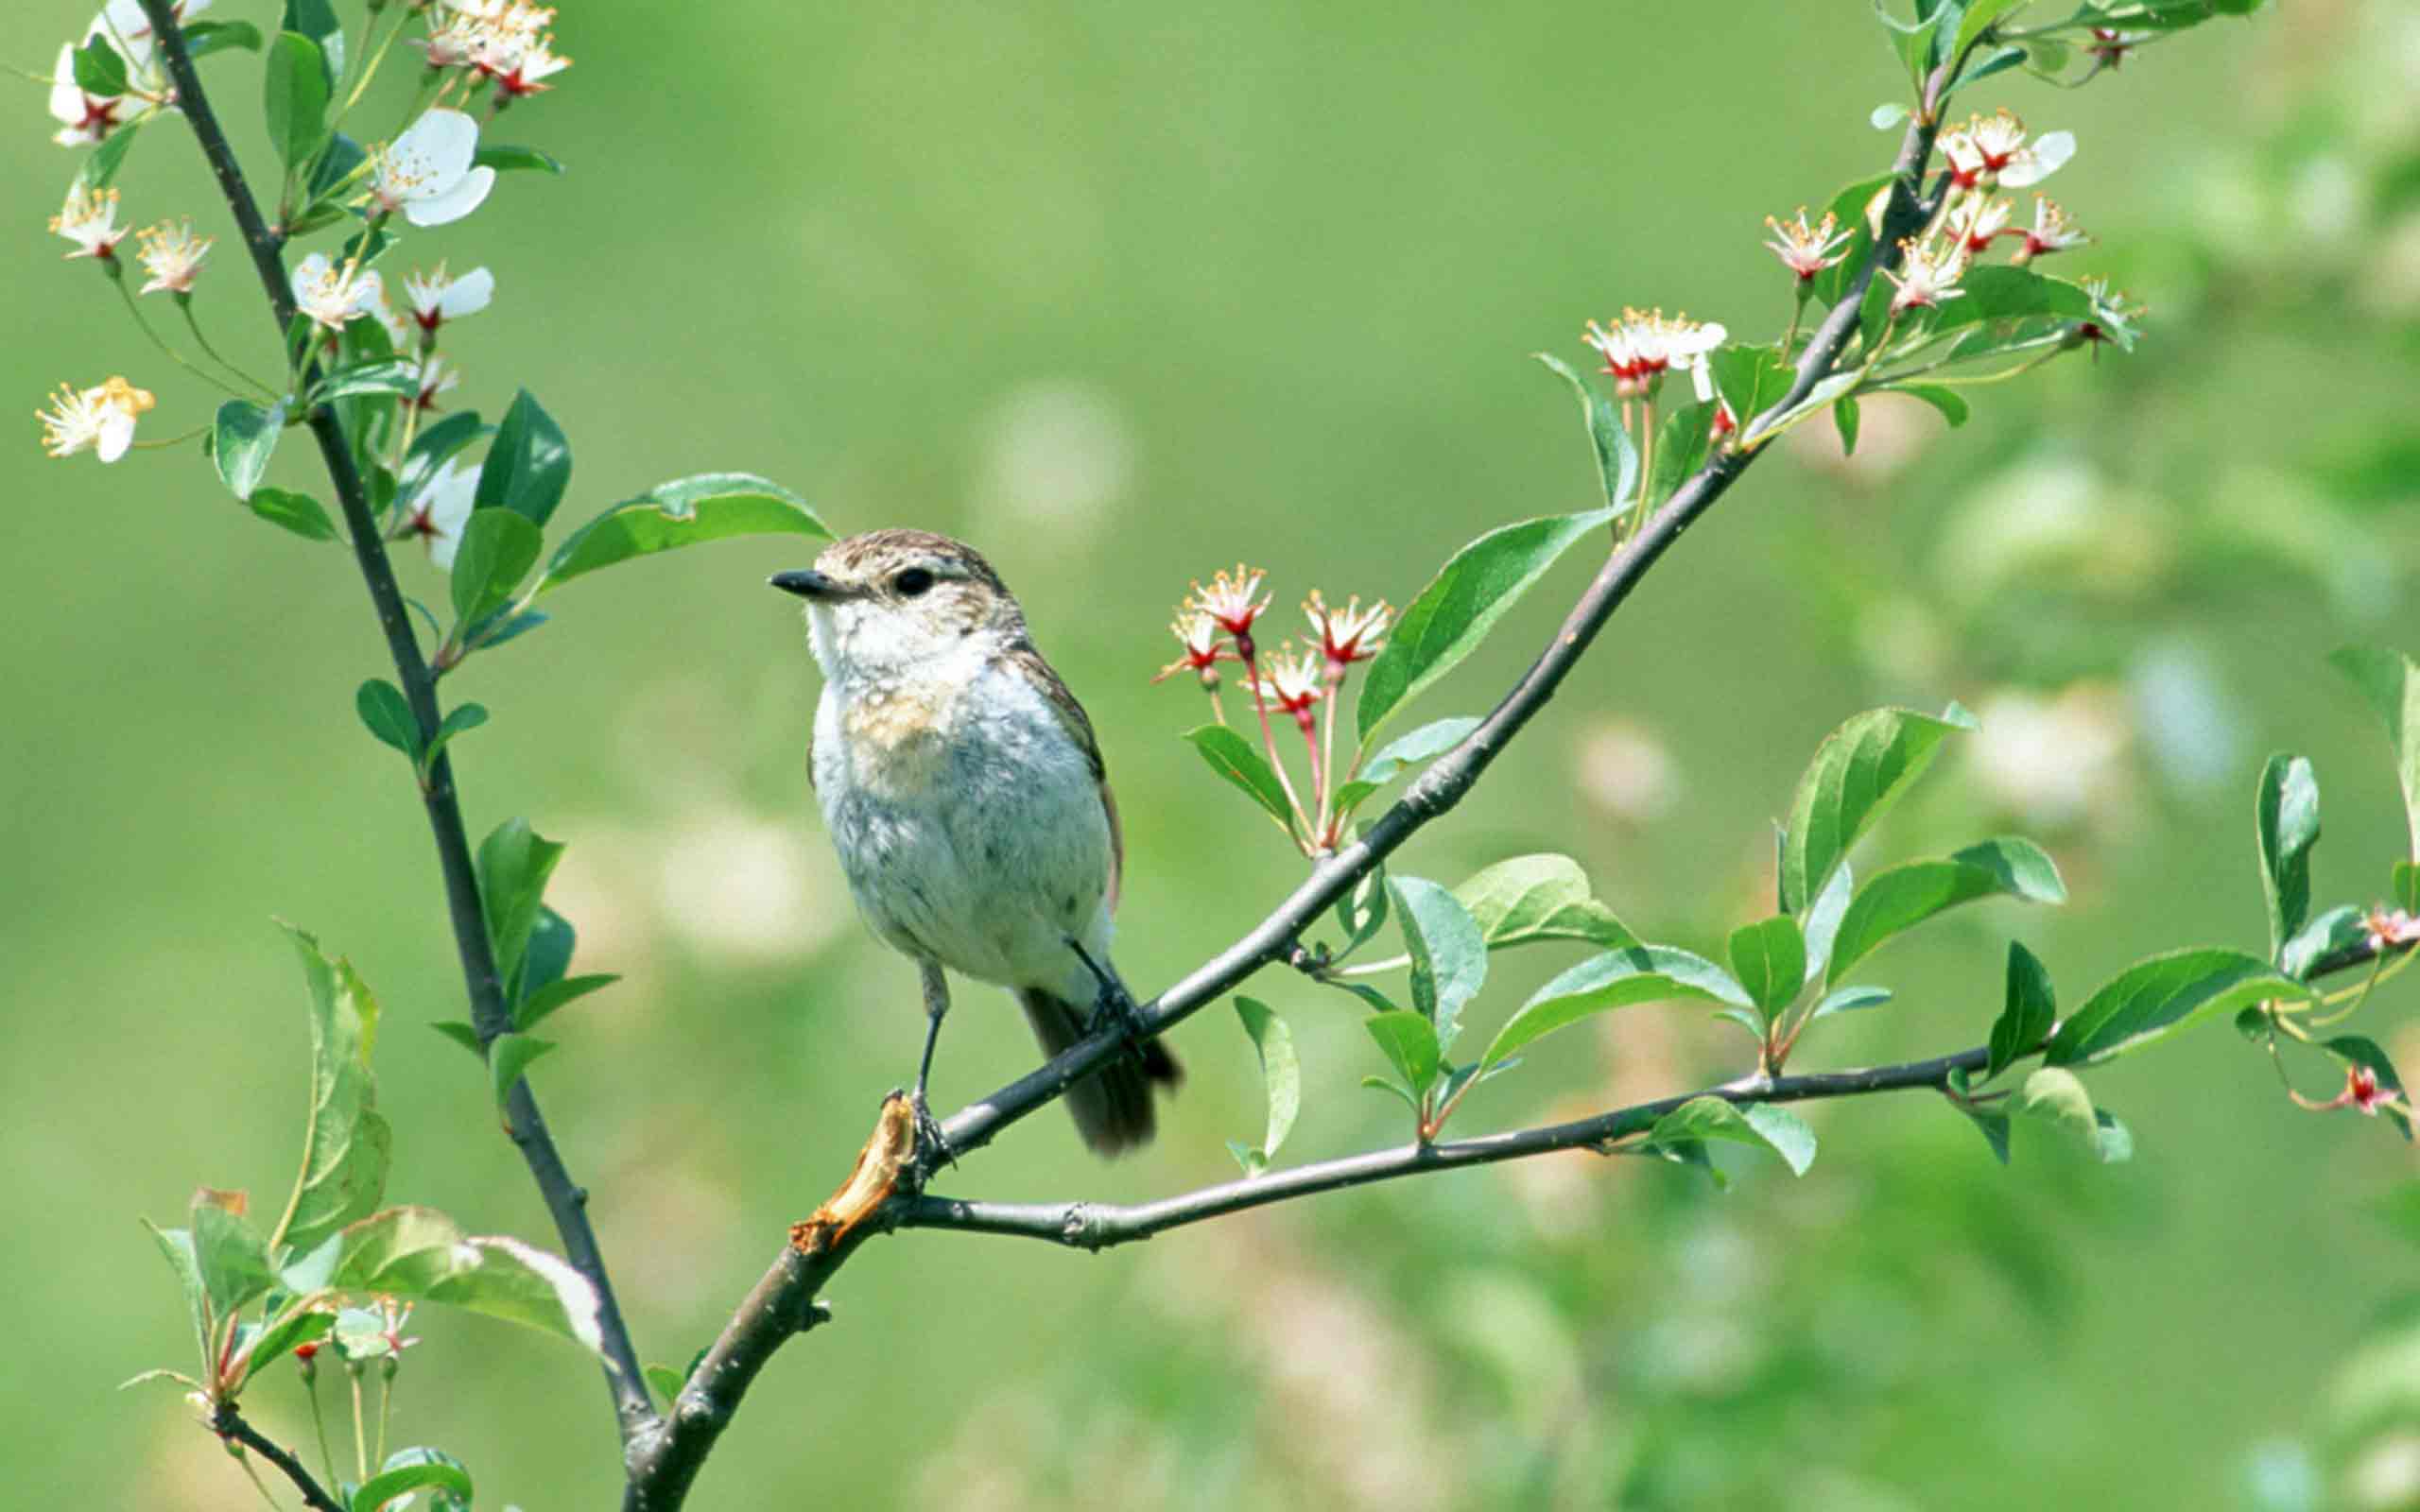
1079	727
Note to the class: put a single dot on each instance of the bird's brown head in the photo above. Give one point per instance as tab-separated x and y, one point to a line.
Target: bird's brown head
884	602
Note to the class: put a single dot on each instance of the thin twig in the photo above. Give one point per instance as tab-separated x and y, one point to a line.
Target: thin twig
662	1463
564	1198
229	1424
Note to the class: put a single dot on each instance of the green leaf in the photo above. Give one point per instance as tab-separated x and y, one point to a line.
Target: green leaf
202	38
2286	820
1681	445
2356	1050
382	708
462	1034
534	1007
515	863
2029	1012
176	1247
2154	998
1447	952
1848	1000
386	375
296	98
1898	900
2407	886
1994	292
1640	973
346	1143
1823	918
552	941
399	1480
1845	419
1531	899
1887	115
1911	44
316	20
2057	1096
2340	928
2391	681
1978	19
506	159
710	506
1232	756
298	512
229	1253
458	719
1762	1124
1280	1073
667	1382
529	465
1427	743
1993	1123
1411	1046
1769	959
1848	209
436	445
1752	378
1458	609
509	1055
99	70
299	1323
1362	911
102	165
1952	404
1616	458
1858	772
1380	1084
418	1254
242	440
498	550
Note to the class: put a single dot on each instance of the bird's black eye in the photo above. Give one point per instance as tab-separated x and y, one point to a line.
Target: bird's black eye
912	582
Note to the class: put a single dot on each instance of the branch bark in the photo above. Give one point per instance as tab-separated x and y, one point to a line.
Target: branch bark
664	1461
566	1199
229	1424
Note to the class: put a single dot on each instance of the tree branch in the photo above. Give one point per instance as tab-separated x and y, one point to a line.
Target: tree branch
229	1424
566	1200
664	1461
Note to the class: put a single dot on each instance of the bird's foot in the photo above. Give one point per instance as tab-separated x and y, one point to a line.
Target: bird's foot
1114	1010
932	1144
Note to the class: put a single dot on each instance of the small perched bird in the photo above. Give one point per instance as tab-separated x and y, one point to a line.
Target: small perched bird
964	791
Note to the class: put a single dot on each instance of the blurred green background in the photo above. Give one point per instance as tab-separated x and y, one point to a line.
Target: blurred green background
1125	293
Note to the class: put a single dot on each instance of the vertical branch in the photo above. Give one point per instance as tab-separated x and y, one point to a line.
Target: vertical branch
566	1199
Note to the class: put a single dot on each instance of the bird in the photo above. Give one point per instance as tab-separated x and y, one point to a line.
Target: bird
962	786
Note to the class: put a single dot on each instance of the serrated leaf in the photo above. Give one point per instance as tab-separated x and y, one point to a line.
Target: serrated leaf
1762	1124
1616	458
1409	1044
684	512
1455	612
382	709
497	549
1281	1073
418	1254
1769	959
346	1143
1639	974
2286	823
1232	758
1528	900
2028	1013
2391	681
1858	772
2154	998
1899	897
1448	957
243	438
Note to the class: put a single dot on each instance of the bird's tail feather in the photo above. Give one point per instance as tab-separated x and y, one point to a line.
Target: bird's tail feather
1113	1105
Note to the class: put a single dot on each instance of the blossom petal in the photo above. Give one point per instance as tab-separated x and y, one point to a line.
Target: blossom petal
116	434
443	139
66	100
469	294
2047	157
455	203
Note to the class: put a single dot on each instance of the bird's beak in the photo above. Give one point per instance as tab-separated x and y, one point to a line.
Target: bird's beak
810	584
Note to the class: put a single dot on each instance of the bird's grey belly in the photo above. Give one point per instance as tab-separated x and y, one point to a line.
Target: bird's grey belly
990	865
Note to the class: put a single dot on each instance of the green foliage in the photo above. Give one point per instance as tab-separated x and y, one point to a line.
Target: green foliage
384	375
1769	959
1898	900
295	98
1753	379
346	1143
1617	979
1616	458
1528	900
458	719
1458	609
202	38
497	549
1281	1073
1763	1125
1235	759
538	1002
242	440
1447	952
98	68
2339	929
504	158
684	512
1400	754
316	20
1858	772
416	1469
418	1254
2154	998
528	467
102	163
382	708
509	1055
298	512
2391	681
515	862
2057	1096
1410	1044
2286	820
2029	1012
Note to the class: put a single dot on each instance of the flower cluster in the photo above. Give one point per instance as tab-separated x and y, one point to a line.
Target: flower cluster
503	43
85	118
1300	681
1642	346
100	419
1805	249
1985	155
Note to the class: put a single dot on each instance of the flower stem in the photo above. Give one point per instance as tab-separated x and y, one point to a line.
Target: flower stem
320	1425
360	1438
386	1401
169	352
194	325
1269	743
1797	311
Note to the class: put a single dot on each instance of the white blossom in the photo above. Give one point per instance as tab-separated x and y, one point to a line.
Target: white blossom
427	173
